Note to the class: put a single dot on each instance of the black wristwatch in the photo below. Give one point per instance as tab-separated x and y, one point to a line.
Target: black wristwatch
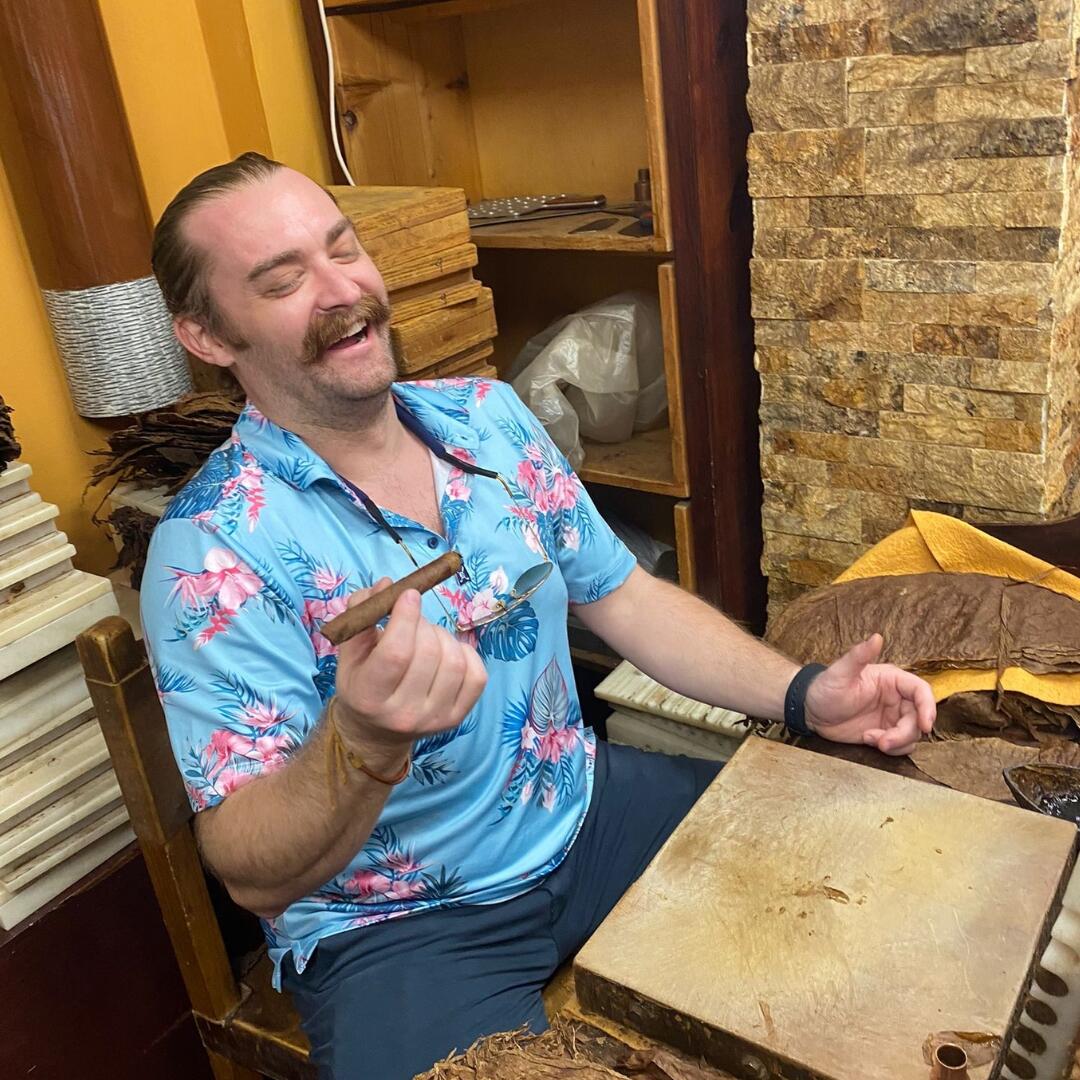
795	699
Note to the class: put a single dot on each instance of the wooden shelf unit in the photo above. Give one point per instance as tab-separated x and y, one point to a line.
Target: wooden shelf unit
557	234
512	97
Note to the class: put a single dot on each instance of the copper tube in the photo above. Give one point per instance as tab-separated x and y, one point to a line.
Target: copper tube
367	613
950	1063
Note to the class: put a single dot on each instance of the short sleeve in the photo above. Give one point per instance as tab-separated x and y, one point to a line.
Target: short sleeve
592	559
235	667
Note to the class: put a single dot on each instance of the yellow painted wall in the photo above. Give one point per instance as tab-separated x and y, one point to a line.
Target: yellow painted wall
201	81
287	83
54	438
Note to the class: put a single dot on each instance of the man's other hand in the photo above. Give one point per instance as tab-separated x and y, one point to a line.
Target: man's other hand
858	700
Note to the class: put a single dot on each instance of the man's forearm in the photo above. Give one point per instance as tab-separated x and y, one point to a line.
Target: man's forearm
282	836
690	647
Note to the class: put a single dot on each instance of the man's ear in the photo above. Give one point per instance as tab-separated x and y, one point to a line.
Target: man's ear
201	342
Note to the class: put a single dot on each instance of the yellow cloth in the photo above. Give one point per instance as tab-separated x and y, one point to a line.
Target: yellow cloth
936	544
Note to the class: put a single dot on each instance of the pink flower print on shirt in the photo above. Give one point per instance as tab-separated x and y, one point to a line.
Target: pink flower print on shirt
316	612
367	884
263	714
218	591
225	579
564	491
225	744
248	484
458	488
544	733
326	580
530	475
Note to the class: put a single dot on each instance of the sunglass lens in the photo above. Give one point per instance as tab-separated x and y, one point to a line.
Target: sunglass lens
531	579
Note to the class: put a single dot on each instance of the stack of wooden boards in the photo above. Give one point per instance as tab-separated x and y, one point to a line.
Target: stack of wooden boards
61	813
444	319
652	717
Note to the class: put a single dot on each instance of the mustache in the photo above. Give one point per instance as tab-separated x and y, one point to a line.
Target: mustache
326	329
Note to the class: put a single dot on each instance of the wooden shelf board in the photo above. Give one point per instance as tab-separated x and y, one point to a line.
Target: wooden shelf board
596	661
555	234
643	462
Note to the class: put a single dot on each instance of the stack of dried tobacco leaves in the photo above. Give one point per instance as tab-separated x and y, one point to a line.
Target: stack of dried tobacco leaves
9	448
937	622
570	1050
166	446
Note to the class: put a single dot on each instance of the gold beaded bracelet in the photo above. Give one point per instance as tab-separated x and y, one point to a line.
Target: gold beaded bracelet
338	753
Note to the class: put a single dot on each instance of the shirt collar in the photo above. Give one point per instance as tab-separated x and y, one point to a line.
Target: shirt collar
432	415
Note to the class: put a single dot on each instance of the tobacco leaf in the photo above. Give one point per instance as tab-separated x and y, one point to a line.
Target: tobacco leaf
934	622
165	447
975	765
133	528
9	447
1009	715
658	1064
569	1050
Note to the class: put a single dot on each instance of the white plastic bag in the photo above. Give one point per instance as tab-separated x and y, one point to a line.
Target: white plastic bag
598	373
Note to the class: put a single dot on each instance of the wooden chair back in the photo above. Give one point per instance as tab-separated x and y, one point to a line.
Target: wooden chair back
247	1032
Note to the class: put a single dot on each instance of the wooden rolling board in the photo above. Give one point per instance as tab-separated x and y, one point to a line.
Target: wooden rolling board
430	296
402	277
826	919
630	688
422	342
401	225
668	736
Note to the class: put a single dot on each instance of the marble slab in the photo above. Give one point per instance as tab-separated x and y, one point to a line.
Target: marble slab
19	876
29	784
14	481
34	565
669	736
40	701
25	519
630	688
14	907
127	599
46	619
154	501
59	819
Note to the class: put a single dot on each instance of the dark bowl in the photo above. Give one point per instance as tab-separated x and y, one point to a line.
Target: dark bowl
1049	789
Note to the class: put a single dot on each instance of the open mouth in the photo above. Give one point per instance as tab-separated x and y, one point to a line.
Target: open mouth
357	334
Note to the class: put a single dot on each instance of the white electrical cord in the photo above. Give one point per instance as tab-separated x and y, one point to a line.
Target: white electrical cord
331	96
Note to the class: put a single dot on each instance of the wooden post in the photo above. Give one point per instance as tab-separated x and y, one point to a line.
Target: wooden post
69	113
703	60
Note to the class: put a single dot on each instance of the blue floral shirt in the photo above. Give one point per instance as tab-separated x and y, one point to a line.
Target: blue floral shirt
266	543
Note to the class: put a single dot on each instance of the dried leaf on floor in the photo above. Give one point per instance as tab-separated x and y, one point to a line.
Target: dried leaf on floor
975	765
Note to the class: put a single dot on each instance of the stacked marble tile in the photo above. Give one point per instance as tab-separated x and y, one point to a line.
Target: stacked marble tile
916	269
61	813
652	717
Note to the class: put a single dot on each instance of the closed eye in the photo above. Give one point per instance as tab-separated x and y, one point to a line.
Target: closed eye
281	288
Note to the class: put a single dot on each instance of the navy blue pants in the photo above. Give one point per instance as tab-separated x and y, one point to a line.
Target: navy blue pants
387	1001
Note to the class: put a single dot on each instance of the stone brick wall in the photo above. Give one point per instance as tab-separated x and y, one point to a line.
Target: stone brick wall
916	275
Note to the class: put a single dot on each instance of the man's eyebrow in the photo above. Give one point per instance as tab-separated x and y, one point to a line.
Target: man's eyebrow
338	230
335	232
273	263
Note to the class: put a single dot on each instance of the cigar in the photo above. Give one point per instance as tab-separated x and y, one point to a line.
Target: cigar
368	612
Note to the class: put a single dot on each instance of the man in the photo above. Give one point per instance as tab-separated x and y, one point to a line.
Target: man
420	818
